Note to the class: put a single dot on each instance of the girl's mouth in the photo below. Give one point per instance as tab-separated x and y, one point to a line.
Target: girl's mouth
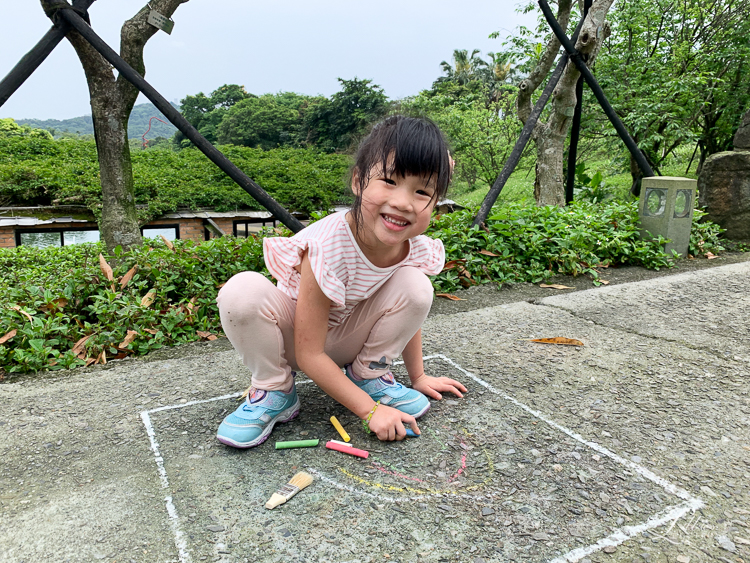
394	223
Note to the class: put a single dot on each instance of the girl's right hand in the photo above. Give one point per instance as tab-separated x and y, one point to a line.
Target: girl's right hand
388	423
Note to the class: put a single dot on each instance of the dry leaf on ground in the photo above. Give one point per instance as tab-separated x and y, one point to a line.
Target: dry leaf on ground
488	253
106	269
555	286
603	282
452	264
148	299
168	242
464	272
8	336
206	335
150	330
78	346
131	335
58	303
449	296
24	313
128	276
711	255
559	340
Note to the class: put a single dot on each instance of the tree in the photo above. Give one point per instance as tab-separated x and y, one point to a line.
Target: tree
206	112
465	67
334	125
550	136
260	122
481	131
9	128
112	99
471	74
678	72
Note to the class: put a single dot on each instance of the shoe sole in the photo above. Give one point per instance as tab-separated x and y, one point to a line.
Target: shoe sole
283	416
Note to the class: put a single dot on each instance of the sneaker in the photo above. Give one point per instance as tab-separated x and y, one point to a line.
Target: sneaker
252	422
390	392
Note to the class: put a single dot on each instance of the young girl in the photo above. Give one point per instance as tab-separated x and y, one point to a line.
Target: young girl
352	291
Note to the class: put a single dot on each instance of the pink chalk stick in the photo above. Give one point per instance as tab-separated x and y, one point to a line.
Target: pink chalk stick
347	449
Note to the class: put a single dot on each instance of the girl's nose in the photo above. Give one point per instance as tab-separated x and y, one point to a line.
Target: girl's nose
401	199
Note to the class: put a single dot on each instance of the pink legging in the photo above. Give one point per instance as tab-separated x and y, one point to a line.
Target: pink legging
258	319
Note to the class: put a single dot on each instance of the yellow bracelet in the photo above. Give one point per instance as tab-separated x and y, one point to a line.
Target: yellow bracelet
366	421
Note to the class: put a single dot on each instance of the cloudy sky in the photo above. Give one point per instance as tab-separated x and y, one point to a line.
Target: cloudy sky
268	46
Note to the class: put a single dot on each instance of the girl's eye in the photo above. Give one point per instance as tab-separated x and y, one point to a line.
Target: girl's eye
389	181
423	192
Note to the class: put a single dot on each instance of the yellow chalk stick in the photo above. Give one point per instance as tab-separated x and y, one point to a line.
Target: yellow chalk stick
337	425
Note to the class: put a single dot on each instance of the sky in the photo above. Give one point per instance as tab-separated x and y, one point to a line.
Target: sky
267	46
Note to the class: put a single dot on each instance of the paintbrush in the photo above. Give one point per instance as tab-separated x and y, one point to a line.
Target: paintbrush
297	483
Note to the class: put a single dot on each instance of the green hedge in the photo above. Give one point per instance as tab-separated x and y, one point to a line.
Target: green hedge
43	171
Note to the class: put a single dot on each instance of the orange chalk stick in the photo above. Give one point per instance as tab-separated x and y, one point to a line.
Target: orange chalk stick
347	449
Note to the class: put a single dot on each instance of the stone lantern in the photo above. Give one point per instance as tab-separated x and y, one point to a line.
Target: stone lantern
666	209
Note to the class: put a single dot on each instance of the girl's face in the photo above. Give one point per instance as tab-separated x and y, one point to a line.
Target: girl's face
394	209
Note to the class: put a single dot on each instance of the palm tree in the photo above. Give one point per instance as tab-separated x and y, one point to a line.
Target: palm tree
465	67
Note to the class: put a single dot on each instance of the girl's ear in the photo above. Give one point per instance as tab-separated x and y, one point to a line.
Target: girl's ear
355	182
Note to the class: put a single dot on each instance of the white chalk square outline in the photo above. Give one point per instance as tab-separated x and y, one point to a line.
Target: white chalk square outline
671	513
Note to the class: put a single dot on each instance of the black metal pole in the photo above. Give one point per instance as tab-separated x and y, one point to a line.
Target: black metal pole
596	89
523	139
31	60
575	130
216	156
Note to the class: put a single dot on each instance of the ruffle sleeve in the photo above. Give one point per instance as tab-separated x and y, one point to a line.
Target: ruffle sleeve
283	255
428	254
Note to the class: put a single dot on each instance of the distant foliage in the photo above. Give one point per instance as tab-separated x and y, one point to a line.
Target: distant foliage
10	128
264	122
36	171
230	115
337	124
83	125
677	73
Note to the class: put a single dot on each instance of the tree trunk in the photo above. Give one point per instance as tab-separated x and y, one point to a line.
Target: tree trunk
549	187
112	100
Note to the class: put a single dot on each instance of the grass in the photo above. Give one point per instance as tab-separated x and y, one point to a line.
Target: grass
617	180
518	189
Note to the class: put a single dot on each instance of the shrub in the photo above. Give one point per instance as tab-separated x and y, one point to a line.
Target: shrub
531	244
55	298
60	309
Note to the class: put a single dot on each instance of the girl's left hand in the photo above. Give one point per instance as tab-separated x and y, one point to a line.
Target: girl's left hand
434	386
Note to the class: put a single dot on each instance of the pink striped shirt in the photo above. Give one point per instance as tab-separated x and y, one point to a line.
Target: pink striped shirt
342	271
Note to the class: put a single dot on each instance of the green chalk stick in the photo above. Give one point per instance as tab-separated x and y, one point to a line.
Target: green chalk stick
297	444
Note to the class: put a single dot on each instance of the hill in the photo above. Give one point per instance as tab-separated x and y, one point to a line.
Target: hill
83	125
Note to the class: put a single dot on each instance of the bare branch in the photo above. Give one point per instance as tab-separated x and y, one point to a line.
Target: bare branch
527	86
134	35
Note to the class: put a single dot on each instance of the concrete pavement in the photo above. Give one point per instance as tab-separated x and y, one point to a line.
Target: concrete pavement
632	447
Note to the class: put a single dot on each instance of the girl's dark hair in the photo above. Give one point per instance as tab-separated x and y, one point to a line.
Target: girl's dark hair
402	146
